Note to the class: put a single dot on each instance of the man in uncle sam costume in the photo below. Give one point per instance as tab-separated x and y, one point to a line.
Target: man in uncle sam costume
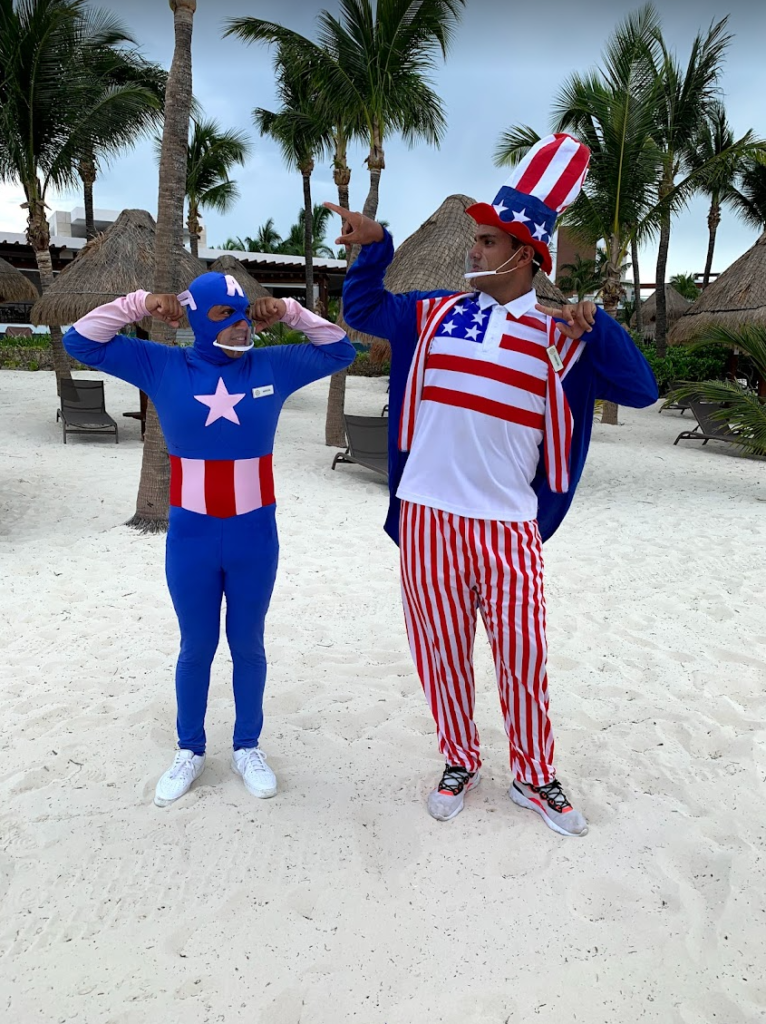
491	406
218	402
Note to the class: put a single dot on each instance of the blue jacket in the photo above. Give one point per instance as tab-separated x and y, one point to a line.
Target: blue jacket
611	368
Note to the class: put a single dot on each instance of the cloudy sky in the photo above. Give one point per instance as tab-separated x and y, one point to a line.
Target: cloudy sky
507	63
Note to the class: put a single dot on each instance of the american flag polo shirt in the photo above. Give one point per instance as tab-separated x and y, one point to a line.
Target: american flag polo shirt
484	391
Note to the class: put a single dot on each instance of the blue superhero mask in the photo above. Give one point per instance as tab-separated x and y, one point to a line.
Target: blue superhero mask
204	292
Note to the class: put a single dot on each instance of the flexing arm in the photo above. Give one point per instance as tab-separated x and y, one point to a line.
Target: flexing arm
294	366
94	339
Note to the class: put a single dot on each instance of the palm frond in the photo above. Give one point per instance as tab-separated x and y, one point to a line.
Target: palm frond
742	409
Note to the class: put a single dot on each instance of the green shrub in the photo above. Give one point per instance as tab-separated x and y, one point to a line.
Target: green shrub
362	367
682	364
34	341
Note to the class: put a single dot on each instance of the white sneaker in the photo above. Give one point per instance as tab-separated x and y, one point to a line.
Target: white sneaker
259	779
446	801
186	767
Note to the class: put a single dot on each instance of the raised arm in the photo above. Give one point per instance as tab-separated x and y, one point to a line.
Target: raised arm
367	306
327	351
95	341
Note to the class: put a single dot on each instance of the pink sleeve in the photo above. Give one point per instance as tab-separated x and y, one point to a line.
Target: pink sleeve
104	322
317	330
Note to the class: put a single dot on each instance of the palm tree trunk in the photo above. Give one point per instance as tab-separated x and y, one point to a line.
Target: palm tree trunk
308	240
151	513
334	426
713	220
611	294
376	162
661	314
341	170
87	171
192	226
39	238
636	287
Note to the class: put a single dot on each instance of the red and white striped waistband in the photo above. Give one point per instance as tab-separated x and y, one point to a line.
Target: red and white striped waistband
221	487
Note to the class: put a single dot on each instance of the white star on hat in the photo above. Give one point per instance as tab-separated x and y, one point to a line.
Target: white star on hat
520	216
499	207
540	231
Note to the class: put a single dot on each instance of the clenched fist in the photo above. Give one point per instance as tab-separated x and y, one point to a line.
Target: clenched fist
165	307
267	311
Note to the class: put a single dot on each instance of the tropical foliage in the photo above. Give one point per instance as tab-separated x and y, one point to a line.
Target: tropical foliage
742	408
686	285
268	240
65	98
211	155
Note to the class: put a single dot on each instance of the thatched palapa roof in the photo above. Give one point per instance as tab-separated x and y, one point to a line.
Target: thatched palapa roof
119	261
14	286
736	298
433	257
231	265
675	303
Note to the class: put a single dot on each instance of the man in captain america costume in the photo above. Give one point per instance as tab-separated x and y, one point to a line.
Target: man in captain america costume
490	412
218	403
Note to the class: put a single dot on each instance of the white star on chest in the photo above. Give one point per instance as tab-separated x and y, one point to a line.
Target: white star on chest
221	404
449	328
478	318
472	333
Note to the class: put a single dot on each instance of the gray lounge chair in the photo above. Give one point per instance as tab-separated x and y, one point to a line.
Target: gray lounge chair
367	443
83	409
682	404
708	428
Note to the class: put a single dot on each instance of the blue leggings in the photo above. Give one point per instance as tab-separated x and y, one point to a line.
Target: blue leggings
206	558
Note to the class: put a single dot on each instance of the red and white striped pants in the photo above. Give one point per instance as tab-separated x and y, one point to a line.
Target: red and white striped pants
453	567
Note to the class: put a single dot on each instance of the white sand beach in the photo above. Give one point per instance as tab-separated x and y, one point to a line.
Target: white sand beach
341	900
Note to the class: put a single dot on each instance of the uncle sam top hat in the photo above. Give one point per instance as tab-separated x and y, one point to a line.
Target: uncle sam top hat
541	187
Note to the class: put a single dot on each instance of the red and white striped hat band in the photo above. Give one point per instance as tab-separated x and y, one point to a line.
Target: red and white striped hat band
540	188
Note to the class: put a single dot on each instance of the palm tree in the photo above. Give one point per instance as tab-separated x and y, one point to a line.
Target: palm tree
372	65
612	111
295	242
748	197
744	409
715	138
685	285
139	110
211	155
686	100
267	238
581	277
55	107
151	513
301	129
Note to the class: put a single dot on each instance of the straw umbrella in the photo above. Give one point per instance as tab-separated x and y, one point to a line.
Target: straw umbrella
675	303
433	258
734	300
119	261
14	286
231	265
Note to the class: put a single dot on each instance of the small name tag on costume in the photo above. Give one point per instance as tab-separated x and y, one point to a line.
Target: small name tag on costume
267	389
555	358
